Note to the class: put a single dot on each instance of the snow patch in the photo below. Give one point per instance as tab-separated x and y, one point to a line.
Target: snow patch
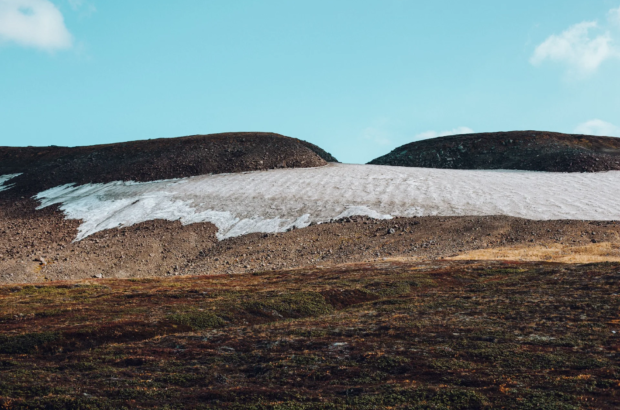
353	210
4	179
280	200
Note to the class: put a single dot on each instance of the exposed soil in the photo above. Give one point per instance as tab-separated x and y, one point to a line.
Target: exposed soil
386	335
557	252
37	246
48	167
523	150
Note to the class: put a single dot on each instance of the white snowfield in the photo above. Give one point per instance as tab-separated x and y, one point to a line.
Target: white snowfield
4	179
277	200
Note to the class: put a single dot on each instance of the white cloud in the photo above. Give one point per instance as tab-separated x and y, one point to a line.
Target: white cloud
379	131
33	23
598	127
377	135
434	134
83	7
578	47
614	16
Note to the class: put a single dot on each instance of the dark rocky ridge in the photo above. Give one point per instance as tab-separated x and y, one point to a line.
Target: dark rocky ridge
319	151
46	167
522	150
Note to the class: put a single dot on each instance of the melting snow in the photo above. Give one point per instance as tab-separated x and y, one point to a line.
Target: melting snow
4	179
278	200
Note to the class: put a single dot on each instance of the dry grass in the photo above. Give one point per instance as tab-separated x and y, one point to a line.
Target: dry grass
455	335
590	253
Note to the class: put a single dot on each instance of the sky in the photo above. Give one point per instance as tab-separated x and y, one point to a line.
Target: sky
356	77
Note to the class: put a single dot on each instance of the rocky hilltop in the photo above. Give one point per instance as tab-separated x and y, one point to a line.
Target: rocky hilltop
523	150
148	160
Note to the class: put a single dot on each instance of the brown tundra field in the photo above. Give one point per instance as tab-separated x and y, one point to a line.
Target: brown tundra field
387	334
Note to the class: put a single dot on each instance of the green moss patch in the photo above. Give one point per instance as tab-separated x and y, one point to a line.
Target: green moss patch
197	320
26	343
293	305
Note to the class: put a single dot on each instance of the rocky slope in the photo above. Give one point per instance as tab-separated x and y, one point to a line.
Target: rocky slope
523	150
47	167
319	151
23	228
38	246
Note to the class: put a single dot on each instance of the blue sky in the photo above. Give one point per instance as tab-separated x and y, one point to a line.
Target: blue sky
357	77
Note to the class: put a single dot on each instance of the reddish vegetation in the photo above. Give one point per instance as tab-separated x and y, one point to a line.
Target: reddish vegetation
433	335
525	150
47	167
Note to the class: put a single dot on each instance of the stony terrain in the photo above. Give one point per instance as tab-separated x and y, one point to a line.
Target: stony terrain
434	335
47	167
38	245
319	151
29	239
524	150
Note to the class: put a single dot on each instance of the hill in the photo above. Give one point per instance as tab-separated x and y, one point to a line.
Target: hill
46	167
522	150
251	221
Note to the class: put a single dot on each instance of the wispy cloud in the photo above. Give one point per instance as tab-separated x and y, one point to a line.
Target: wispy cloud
434	134
598	127
583	47
377	135
33	23
378	132
614	16
83	7
578	48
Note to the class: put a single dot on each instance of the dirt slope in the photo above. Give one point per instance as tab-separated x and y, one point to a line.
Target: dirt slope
37	246
523	150
47	167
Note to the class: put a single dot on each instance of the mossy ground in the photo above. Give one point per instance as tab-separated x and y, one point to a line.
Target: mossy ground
435	335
